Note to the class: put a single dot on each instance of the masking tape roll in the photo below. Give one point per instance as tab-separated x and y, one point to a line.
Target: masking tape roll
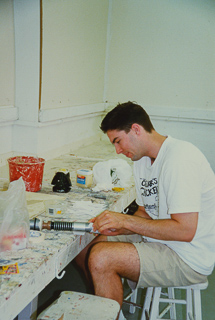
36	236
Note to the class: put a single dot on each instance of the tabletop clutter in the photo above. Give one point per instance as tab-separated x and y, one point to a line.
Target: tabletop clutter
88	183
26	174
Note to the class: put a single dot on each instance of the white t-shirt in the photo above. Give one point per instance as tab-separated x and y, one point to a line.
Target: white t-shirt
181	180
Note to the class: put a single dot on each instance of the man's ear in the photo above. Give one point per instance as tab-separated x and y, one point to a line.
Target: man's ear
136	128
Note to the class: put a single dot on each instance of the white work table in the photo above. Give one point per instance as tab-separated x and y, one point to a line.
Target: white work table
41	262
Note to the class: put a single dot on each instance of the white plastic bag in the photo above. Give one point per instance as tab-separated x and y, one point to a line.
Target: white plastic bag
14	217
111	173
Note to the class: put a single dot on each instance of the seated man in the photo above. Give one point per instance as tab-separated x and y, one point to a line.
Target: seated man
170	239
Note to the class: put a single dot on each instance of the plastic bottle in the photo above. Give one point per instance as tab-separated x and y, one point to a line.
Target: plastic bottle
84	178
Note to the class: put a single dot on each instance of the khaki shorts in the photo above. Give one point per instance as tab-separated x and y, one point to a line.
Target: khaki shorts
160	266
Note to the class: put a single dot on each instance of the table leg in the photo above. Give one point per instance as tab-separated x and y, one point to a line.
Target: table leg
30	311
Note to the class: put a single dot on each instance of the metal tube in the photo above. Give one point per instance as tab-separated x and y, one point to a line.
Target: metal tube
37	224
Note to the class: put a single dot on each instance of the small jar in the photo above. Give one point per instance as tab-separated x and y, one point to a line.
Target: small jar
84	178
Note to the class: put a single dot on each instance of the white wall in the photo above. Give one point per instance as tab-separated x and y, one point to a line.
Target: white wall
158	53
66	62
73	52
6	54
162	55
8	113
55	87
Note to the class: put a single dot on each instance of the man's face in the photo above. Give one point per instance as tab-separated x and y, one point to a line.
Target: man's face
126	143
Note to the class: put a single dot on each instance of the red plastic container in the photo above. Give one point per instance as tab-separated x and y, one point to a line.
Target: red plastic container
30	169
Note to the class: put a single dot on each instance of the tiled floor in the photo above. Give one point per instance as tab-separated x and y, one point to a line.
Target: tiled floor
74	281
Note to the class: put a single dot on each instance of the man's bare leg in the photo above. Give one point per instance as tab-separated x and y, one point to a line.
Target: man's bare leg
108	263
82	258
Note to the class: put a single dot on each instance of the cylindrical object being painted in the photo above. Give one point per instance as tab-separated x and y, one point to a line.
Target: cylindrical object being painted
37	224
30	169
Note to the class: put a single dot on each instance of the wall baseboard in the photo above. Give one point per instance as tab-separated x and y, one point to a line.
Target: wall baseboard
51	154
71	147
181	114
57	114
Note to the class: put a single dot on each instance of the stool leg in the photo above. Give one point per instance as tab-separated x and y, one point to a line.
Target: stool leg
197	305
147	303
189	307
155	304
121	316
171	295
133	299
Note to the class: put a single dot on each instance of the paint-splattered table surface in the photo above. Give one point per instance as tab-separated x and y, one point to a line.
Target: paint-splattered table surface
41	262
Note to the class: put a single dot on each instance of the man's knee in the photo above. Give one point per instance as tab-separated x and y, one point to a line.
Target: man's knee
98	257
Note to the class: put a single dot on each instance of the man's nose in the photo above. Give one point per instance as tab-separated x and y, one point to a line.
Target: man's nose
118	149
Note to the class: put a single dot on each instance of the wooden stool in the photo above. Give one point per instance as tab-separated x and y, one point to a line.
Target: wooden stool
80	306
192	302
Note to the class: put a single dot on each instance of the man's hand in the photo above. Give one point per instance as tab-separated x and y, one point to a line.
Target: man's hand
110	223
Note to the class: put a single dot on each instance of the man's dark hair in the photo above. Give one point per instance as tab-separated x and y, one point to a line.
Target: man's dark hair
124	115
